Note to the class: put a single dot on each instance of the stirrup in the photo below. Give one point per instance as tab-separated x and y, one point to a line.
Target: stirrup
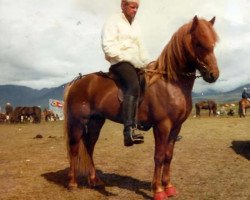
131	138
136	135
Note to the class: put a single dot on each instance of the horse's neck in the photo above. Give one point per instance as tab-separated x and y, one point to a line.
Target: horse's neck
181	60
184	86
175	63
183	82
185	67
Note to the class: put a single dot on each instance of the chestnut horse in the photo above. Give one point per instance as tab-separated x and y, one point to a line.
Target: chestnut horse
49	115
243	105
209	105
166	103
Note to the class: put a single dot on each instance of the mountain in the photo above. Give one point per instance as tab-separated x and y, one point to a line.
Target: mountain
232	96
25	96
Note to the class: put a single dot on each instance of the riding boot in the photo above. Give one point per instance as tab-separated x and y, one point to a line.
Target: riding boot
129	112
135	123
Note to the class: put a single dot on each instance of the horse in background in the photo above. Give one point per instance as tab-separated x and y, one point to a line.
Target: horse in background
166	104
49	115
244	104
3	117
24	114
209	105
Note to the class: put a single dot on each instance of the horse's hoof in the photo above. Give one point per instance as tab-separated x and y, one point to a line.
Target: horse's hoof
170	191
72	186
96	183
160	196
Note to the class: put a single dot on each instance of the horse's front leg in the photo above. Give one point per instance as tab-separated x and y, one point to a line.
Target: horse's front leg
161	134
244	111
166	183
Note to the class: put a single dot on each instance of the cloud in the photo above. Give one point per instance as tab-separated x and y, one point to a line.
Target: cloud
47	43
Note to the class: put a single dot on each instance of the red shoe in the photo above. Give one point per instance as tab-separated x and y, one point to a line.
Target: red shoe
160	196
170	191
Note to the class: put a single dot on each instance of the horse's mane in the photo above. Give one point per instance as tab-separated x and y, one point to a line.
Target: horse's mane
174	55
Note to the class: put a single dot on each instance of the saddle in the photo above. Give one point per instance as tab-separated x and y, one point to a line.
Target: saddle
141	78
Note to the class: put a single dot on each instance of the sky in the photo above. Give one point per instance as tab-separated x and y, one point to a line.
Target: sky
46	43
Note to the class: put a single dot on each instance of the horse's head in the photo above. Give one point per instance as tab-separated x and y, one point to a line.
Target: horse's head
202	42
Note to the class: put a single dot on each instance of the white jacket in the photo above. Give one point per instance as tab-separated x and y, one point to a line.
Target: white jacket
121	42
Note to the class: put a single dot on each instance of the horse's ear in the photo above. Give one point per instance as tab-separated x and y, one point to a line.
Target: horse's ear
212	20
195	23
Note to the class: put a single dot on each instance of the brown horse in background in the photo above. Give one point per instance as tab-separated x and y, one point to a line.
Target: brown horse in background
49	115
243	105
24	114
3	117
209	105
166	104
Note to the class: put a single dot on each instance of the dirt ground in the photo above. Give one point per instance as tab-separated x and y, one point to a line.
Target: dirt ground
211	161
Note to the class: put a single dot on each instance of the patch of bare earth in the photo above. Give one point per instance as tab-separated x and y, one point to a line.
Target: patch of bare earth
211	161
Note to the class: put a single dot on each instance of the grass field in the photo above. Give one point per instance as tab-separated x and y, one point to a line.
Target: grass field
211	161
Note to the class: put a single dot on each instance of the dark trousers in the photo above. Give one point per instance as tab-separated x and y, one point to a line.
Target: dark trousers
129	82
127	77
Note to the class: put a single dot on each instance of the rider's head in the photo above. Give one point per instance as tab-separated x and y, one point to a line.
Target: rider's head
129	9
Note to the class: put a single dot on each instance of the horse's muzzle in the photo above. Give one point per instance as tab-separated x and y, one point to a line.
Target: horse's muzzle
208	70
210	76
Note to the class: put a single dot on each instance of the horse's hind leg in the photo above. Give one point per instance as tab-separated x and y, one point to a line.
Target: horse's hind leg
74	138
94	127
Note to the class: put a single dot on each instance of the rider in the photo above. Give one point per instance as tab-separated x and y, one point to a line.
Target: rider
245	95
123	48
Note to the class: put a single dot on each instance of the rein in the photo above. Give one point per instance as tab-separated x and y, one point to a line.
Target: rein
202	67
188	74
155	71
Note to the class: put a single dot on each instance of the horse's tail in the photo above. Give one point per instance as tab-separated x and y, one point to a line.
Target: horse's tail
83	158
65	112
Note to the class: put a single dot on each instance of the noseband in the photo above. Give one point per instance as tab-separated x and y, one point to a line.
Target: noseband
201	66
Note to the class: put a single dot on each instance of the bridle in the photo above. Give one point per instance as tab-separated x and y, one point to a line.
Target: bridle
202	68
